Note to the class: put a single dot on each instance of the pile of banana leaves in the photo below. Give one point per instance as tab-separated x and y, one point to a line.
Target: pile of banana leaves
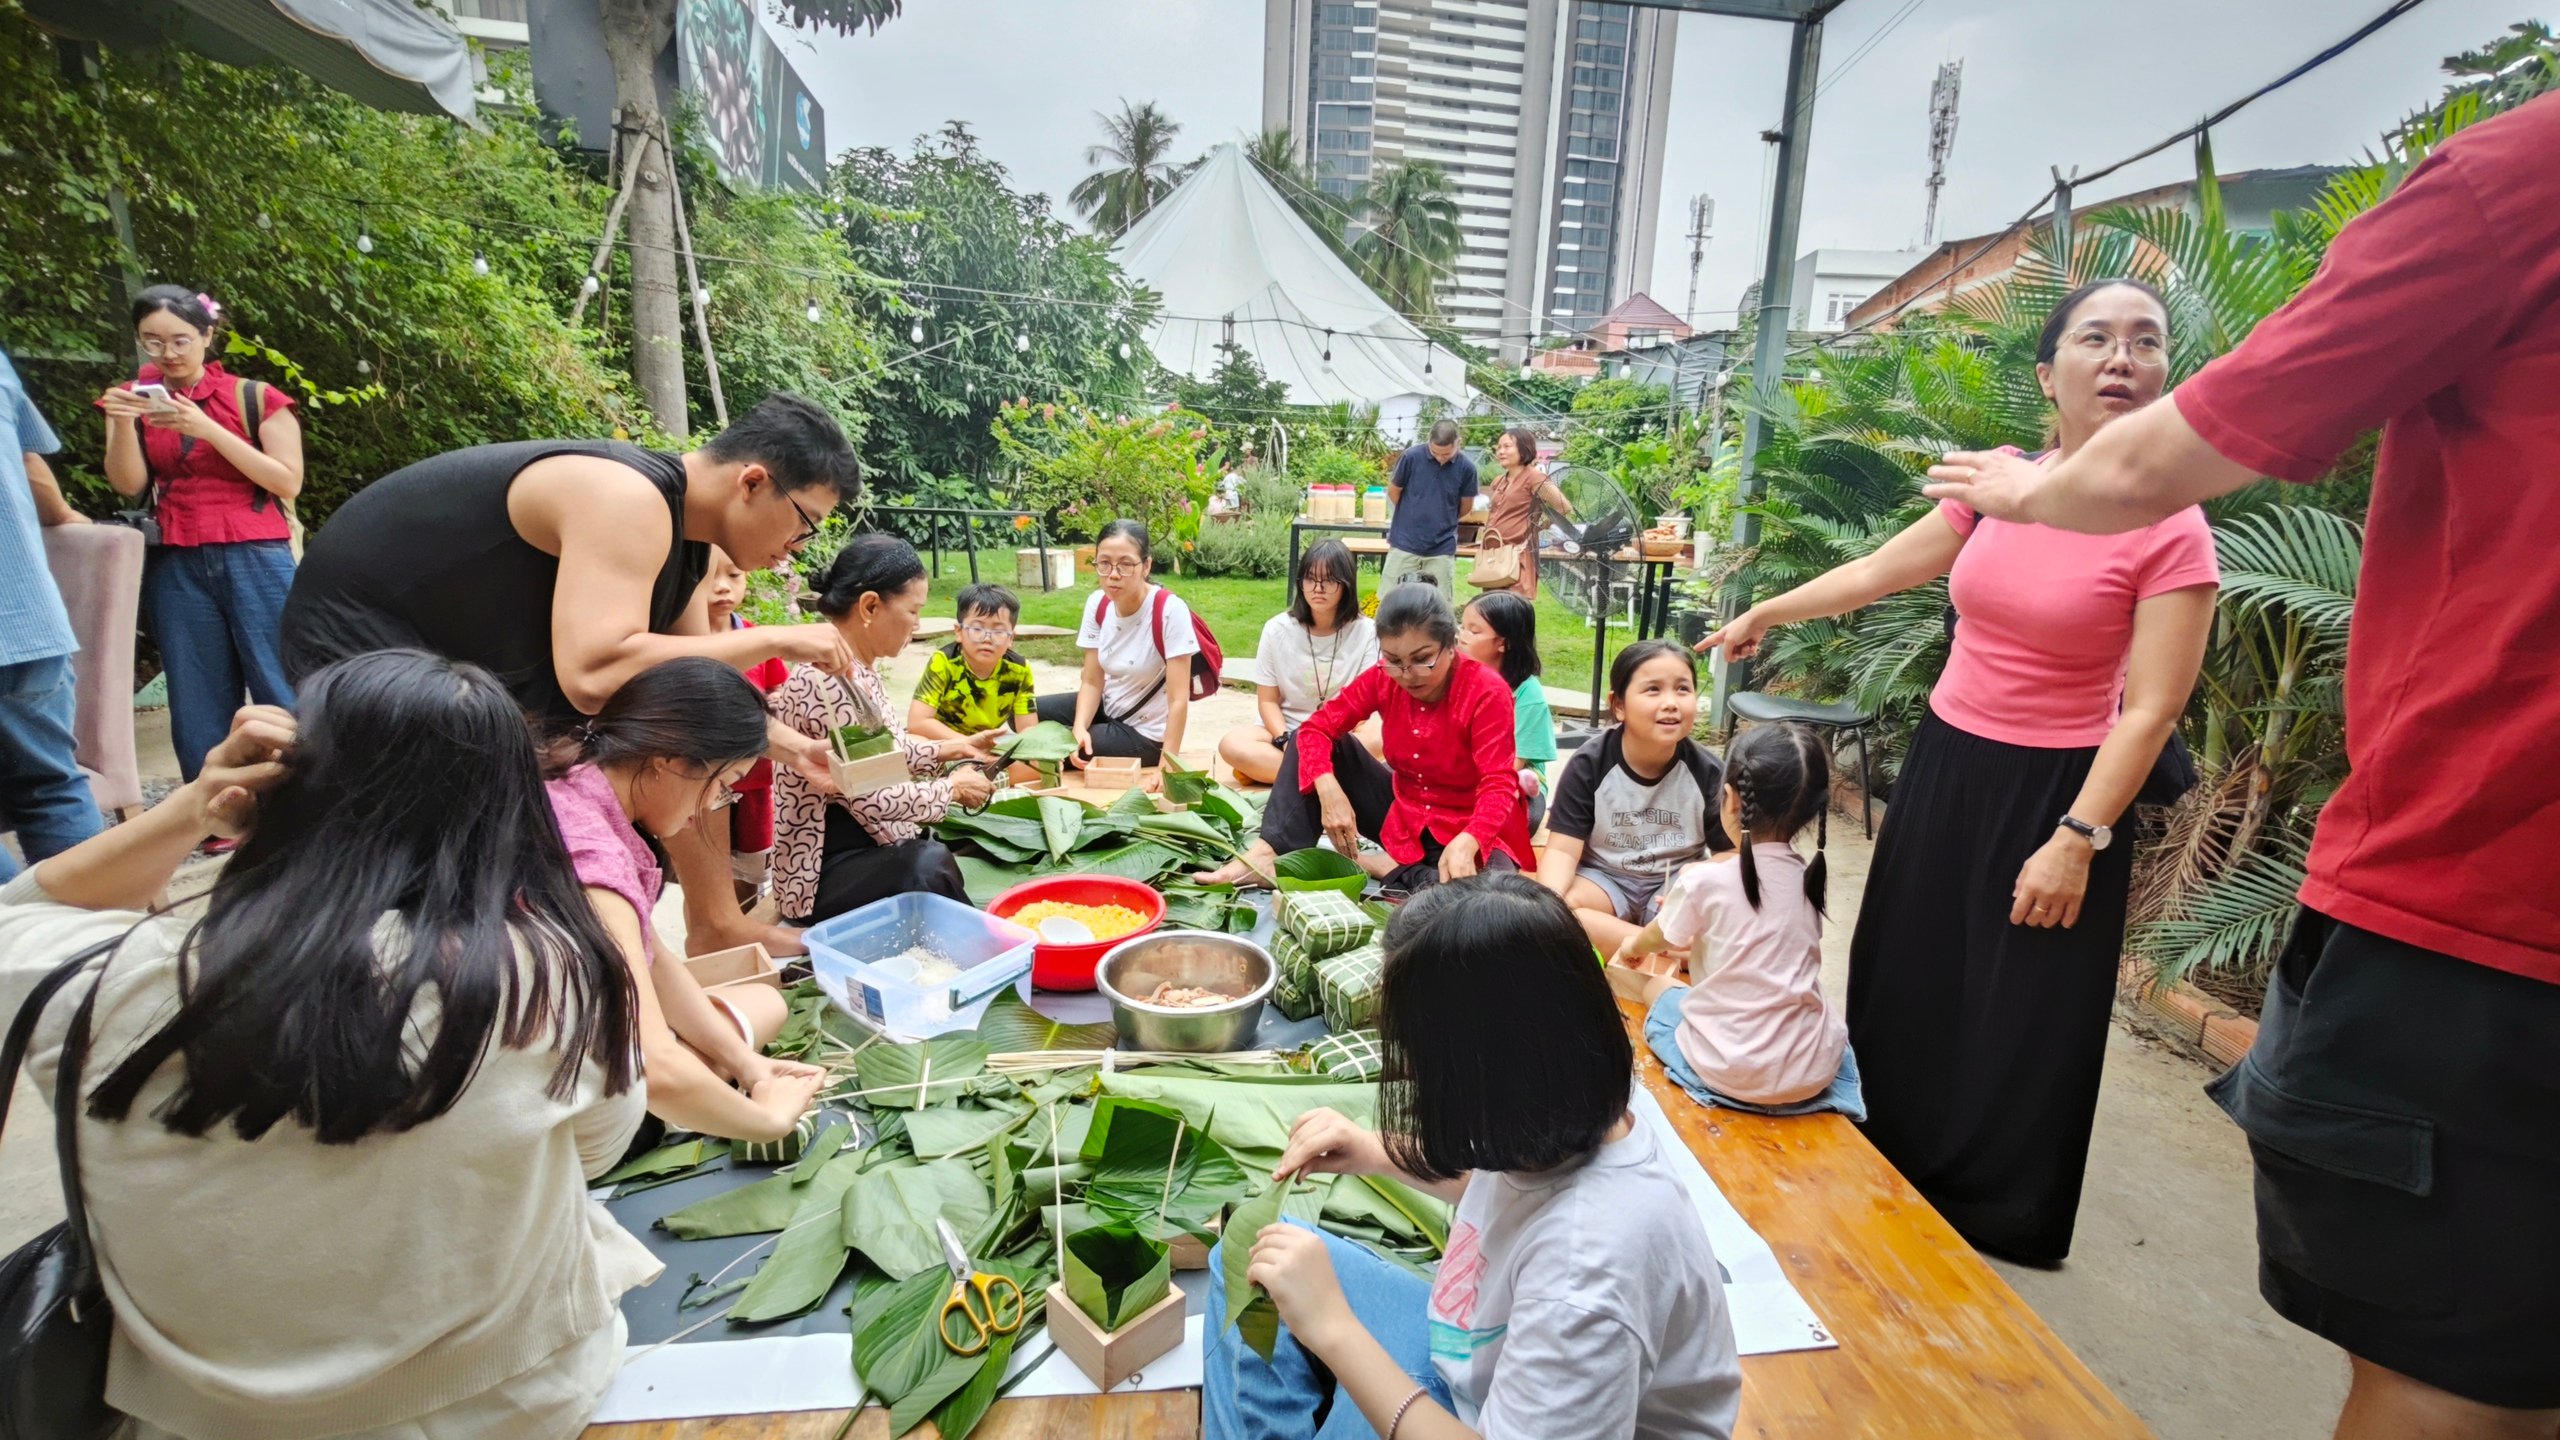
1016	1162
1021	837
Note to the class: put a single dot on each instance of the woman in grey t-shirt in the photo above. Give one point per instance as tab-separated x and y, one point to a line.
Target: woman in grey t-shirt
1510	1102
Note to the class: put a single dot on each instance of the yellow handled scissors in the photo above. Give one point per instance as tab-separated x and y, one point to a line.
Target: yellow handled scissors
988	1305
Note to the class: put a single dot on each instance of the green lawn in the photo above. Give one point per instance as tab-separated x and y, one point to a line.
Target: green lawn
1236	610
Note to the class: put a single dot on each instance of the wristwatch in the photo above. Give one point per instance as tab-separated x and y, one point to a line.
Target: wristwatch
2098	836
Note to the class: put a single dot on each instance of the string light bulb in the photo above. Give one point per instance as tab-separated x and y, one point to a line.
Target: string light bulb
702	297
1426	359
1328	347
1124	349
813	312
364	367
480	265
1021	341
591	284
364	242
915	333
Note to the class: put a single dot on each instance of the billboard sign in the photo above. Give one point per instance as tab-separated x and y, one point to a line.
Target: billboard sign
765	128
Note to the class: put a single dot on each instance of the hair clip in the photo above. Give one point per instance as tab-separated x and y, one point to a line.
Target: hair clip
211	306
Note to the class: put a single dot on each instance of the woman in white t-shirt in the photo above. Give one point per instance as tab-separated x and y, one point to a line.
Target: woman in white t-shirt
1138	641
1308	653
1510	1102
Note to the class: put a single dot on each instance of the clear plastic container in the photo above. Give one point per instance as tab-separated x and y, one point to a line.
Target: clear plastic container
867	963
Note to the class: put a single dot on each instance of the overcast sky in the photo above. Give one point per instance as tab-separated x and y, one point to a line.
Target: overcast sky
2046	82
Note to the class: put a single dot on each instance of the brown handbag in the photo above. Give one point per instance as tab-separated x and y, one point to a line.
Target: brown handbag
1498	567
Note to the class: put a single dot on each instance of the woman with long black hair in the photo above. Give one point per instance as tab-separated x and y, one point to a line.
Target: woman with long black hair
1309	653
339	1129
1984	963
662	756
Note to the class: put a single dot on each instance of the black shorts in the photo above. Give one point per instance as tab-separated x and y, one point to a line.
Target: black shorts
2403	1110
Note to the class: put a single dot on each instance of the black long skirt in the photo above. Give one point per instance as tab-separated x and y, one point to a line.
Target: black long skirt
1980	1042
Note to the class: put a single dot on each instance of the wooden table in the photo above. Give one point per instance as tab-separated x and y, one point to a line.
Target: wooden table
1932	1342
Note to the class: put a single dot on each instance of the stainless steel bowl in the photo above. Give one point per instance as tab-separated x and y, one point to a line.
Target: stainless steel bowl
1204	958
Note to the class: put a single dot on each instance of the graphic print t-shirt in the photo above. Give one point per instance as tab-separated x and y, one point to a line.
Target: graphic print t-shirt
1536	1314
1633	828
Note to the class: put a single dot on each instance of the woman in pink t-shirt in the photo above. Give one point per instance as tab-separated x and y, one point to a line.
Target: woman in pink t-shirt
1984	962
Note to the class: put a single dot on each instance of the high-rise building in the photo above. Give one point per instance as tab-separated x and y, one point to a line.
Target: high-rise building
1548	115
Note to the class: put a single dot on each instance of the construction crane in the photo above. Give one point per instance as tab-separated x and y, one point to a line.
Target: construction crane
1702	222
1942	140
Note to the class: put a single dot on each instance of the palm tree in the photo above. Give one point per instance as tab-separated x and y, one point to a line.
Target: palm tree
1412	214
1136	173
1275	153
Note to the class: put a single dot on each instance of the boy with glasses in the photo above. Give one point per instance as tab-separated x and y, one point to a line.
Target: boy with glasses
977	682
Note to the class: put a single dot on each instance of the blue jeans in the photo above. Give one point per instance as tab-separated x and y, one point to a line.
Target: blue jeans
1243	1397
214	611
43	795
1662	1033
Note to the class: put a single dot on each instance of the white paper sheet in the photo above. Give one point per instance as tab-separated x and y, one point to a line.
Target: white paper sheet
815	1372
1768	1314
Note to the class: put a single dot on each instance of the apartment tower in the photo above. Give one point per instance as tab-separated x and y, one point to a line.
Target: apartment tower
1548	115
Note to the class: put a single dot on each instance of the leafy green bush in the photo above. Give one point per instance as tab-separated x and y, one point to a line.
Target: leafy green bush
1255	545
254	185
1334	465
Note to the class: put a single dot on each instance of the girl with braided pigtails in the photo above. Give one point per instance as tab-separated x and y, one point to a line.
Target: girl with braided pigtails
1751	1031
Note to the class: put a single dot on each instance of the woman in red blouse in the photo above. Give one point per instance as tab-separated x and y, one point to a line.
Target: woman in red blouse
215	459
1446	802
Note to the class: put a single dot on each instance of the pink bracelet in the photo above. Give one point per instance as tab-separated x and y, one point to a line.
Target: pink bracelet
1398	1422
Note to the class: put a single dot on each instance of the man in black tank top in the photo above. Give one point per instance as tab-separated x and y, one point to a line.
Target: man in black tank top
566	567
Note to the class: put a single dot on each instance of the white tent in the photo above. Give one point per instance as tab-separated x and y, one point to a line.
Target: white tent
1225	245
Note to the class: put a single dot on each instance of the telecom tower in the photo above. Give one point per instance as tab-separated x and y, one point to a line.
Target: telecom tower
1702	222
1942	140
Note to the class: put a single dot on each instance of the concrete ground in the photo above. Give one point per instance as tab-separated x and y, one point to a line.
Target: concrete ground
2159	1298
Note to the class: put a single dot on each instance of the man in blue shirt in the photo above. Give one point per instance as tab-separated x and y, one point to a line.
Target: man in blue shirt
1432	486
43	795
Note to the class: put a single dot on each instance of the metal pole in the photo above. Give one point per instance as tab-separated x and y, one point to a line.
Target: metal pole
1777	278
2062	223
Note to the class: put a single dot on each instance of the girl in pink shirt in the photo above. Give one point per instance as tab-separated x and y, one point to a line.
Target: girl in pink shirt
1752	1030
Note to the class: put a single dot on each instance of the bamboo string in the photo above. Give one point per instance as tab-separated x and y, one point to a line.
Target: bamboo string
1164	1202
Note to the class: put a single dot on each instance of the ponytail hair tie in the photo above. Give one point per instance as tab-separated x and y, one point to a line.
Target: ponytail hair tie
587	733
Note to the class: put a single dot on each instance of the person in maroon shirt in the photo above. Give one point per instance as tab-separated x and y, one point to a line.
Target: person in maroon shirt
213	587
1445	804
2402	1102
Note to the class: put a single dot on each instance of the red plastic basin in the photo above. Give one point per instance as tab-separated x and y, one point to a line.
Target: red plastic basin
1071	967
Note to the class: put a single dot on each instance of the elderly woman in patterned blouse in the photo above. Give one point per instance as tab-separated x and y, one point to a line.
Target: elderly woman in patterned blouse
834	853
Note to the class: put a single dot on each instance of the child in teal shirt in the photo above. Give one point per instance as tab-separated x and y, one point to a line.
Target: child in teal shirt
1501	630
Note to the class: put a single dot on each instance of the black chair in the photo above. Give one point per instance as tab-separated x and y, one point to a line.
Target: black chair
1832	718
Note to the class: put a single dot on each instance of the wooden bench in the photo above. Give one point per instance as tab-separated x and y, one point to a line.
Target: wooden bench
1932	1341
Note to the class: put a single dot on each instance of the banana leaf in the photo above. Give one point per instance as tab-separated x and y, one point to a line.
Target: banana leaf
889	1213
666	1160
960	1414
811	1253
1319	869
1133	806
1256	1319
898	1352
1142	862
1184	785
861	742
1232	807
1046	741
1113	1273
929	1072
832	1137
950	1129
1428	1214
1138	1172
988	828
987	879
1184	827
1061	823
756	1209
1011	1027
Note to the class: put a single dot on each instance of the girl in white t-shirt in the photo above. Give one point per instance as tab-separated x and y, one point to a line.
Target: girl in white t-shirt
1506	1097
1752	1031
1135	696
1308	653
